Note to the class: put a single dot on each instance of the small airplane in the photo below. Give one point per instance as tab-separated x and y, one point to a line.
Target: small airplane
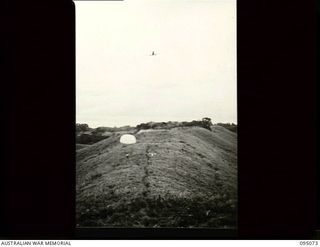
153	54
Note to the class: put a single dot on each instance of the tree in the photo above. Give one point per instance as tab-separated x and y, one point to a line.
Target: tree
206	122
82	127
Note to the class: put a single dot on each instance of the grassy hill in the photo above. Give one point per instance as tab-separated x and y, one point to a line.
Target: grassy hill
178	177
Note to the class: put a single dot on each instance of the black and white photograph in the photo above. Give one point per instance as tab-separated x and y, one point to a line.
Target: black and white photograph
156	114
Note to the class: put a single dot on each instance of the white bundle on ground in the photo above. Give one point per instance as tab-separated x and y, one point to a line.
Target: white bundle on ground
128	139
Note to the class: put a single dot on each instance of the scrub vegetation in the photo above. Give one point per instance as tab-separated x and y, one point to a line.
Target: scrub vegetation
173	176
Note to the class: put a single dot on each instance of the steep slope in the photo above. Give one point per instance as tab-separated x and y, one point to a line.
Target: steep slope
182	177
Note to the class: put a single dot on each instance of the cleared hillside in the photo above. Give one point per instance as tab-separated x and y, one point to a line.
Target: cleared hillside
179	177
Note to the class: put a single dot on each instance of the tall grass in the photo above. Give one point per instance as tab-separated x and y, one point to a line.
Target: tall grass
168	211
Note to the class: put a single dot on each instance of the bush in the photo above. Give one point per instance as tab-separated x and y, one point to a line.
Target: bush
232	127
204	123
82	127
89	139
144	126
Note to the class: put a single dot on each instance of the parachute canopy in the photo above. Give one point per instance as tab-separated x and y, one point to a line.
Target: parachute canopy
128	139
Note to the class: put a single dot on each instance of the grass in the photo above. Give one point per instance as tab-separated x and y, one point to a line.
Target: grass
161	211
190	182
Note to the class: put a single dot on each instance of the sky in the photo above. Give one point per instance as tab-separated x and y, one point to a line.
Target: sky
192	75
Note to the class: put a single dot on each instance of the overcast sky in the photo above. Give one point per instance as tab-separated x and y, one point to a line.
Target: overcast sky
193	74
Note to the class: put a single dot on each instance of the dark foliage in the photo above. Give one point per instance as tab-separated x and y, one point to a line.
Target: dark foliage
232	127
82	127
204	123
89	139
